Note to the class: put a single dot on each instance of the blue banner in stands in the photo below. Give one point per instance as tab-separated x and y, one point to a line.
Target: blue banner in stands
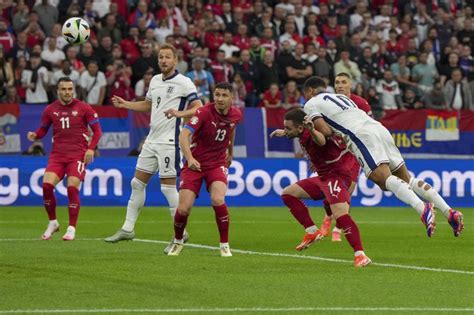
252	182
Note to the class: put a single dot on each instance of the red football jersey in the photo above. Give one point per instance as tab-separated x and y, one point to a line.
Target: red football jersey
70	133
211	135
332	158
361	103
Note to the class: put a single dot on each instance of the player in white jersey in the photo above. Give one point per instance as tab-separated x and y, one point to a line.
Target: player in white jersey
376	152
170	97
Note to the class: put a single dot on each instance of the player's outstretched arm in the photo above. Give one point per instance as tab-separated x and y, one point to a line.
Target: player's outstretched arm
185	144
140	106
316	128
188	113
278	133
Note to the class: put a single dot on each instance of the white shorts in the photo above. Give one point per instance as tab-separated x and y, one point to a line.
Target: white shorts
374	146
163	158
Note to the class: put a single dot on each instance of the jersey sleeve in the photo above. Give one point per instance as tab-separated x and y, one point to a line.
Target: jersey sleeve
148	93
190	91
91	116
46	122
196	122
311	110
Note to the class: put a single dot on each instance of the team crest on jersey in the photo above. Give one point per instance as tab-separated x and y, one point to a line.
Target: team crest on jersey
232	125
74	112
96	115
169	91
194	120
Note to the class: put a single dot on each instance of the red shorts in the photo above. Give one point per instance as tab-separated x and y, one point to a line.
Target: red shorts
192	180
334	190
69	167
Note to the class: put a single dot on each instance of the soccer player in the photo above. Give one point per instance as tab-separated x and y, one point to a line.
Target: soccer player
208	155
376	152
71	152
337	172
168	96
343	85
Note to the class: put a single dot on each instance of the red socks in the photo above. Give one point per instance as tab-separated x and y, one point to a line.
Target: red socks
49	200
351	231
222	220
74	204
299	210
327	207
180	222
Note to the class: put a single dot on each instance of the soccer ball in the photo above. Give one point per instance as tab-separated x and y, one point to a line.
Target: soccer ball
76	31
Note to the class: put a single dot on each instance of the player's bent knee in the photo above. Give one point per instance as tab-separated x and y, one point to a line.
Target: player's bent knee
217	200
137	184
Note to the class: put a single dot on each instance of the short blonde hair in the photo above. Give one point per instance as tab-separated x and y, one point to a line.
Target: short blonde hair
170	47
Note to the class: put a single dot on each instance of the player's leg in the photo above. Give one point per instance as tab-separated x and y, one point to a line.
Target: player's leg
291	196
217	189
186	201
147	166
326	225
73	184
426	192
50	180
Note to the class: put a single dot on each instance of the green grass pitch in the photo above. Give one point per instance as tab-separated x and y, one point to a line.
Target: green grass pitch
410	274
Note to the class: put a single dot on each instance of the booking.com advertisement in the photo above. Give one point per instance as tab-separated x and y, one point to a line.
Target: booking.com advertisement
252	182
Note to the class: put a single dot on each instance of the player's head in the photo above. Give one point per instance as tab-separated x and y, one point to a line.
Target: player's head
65	90
167	58
294	123
313	86
343	83
223	96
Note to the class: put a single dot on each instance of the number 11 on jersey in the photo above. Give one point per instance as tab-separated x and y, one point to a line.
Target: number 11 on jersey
64	122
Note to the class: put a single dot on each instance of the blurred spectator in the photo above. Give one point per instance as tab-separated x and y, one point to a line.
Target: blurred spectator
290	35
343	40
331	29
11	96
130	45
458	93
162	31
101	6
374	101
147	60
241	39
369	69
402	73
182	65
237	19
466	34
213	39
20	18
360	90
466	63
226	15
314	37
35	81
322	67
298	69
221	70
20	66
71	56
87	54
268	42
142	13
174	15
410	100
424	74
6	73
435	99
265	22
272	97
110	29
119	15
257	52
203	79
389	92
445	70
118	81
91	15
347	66
141	88
93	84
230	50
48	15
249	73
53	56
56	34
65	71
268	73
7	40
291	95
310	55
240	93
104	51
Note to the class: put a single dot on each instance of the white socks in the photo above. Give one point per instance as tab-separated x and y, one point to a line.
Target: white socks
430	195
311	229
135	204
403	192
171	194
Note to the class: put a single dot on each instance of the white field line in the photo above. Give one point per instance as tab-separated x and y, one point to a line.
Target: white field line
249	252
242	309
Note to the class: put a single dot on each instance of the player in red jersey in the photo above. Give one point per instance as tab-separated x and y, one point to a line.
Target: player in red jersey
337	172
343	85
208	155
71	152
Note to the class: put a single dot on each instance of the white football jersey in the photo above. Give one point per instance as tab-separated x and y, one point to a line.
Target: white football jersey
176	92
339	112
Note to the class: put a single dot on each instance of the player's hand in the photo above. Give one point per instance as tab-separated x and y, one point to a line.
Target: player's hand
308	123
118	101
228	158
194	165
31	136
170	113
89	157
278	133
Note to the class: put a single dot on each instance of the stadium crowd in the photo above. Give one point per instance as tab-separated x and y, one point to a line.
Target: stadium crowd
405	54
